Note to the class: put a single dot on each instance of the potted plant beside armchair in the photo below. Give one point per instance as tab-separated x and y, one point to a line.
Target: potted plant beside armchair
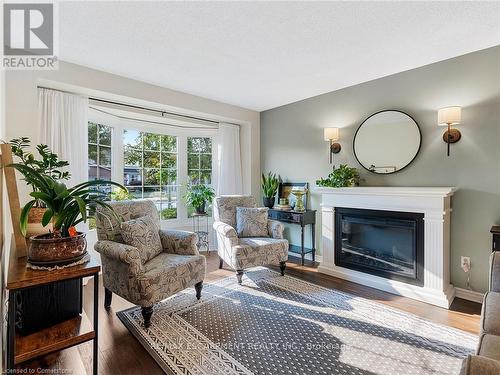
197	197
66	208
270	184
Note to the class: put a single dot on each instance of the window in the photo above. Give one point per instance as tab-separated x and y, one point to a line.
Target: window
199	152
99	153
150	169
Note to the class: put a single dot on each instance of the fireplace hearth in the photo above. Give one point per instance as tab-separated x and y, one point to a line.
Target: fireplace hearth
383	243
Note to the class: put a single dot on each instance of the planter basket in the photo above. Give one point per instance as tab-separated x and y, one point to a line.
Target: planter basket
45	250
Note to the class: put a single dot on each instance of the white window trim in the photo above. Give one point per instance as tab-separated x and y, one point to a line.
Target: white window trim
118	126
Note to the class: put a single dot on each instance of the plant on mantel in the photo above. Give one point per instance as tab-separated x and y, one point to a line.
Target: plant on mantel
343	176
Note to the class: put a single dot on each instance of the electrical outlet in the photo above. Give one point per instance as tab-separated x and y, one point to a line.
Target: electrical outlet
465	263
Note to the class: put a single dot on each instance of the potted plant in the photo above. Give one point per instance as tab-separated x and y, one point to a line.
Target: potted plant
65	208
198	195
46	163
343	176
270	184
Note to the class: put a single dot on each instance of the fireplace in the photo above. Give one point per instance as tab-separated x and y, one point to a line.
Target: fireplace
383	243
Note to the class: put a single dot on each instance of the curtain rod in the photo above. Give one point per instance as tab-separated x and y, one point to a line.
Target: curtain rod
161	112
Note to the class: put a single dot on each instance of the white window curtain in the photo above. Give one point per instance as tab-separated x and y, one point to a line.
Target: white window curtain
229	180
63	127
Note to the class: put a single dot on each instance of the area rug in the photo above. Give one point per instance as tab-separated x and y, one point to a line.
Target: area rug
283	325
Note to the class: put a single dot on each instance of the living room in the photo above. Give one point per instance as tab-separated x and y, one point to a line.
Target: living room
250	187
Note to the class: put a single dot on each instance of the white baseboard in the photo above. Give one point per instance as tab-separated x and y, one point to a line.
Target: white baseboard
469	295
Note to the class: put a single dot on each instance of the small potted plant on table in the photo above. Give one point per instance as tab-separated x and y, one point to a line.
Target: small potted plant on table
270	184
197	197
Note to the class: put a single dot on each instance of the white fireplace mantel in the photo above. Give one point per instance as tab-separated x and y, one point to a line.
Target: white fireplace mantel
433	202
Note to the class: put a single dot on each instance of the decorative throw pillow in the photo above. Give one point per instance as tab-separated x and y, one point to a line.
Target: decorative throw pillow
142	233
251	222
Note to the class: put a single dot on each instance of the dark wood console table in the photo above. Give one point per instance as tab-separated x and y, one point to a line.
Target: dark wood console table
495	231
307	217
60	336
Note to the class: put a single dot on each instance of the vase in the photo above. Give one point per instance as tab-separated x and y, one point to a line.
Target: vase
46	250
201	209
268	202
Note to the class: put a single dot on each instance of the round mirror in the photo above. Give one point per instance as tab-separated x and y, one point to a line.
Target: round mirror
387	141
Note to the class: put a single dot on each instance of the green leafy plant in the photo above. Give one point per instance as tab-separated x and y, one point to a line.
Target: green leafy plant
343	176
47	162
120	194
198	195
270	184
66	207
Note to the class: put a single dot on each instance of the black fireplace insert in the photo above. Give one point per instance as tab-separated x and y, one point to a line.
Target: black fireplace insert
382	243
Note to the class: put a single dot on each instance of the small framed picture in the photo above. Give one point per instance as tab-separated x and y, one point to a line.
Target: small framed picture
285	189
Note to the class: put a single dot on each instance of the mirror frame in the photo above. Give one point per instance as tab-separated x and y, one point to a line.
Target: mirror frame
374	114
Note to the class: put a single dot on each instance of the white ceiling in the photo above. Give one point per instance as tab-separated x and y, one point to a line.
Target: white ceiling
261	55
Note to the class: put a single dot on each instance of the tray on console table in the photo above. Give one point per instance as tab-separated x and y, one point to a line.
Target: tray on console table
307	217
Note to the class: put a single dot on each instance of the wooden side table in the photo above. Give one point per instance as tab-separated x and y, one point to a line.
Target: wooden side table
63	335
201	230
307	217
495	232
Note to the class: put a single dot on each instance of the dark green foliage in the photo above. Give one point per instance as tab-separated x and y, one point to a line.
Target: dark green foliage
270	184
343	176
197	195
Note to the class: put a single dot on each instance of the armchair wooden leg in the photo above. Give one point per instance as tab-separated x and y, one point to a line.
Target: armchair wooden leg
147	312
221	263
282	268
198	287
239	275
108	296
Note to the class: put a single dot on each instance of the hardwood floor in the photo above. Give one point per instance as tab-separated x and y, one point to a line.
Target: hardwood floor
120	353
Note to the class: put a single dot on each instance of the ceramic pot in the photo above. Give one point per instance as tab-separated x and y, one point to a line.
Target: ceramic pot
35	222
200	210
46	250
268	202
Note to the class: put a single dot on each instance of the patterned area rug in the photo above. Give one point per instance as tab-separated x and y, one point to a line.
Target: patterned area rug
282	325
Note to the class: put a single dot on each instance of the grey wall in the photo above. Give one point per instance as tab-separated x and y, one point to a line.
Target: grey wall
292	144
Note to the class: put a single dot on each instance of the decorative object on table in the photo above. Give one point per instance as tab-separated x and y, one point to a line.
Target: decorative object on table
285	192
303	219
332	135
343	176
66	207
46	162
450	116
299	193
242	253
145	278
198	196
270	184
291	310
201	230
387	142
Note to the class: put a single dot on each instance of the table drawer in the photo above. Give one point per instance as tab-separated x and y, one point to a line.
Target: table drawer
285	216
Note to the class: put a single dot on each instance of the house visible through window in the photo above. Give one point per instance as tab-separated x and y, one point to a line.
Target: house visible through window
150	169
99	153
199	160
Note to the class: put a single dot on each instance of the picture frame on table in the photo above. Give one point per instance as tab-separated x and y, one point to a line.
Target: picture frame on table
285	189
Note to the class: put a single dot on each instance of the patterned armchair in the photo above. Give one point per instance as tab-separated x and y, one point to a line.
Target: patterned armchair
241	253
140	278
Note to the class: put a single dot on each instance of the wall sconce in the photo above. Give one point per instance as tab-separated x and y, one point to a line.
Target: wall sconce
449	117
332	135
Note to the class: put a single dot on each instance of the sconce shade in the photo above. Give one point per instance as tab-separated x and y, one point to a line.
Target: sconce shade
449	116
331	134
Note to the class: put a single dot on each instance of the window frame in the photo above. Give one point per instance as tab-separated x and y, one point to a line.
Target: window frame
118	126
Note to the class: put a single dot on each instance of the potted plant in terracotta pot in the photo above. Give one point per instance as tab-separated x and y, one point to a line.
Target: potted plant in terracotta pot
66	207
46	162
197	197
270	184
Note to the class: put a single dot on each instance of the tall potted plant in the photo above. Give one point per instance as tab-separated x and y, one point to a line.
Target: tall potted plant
270	184
46	162
197	197
65	208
